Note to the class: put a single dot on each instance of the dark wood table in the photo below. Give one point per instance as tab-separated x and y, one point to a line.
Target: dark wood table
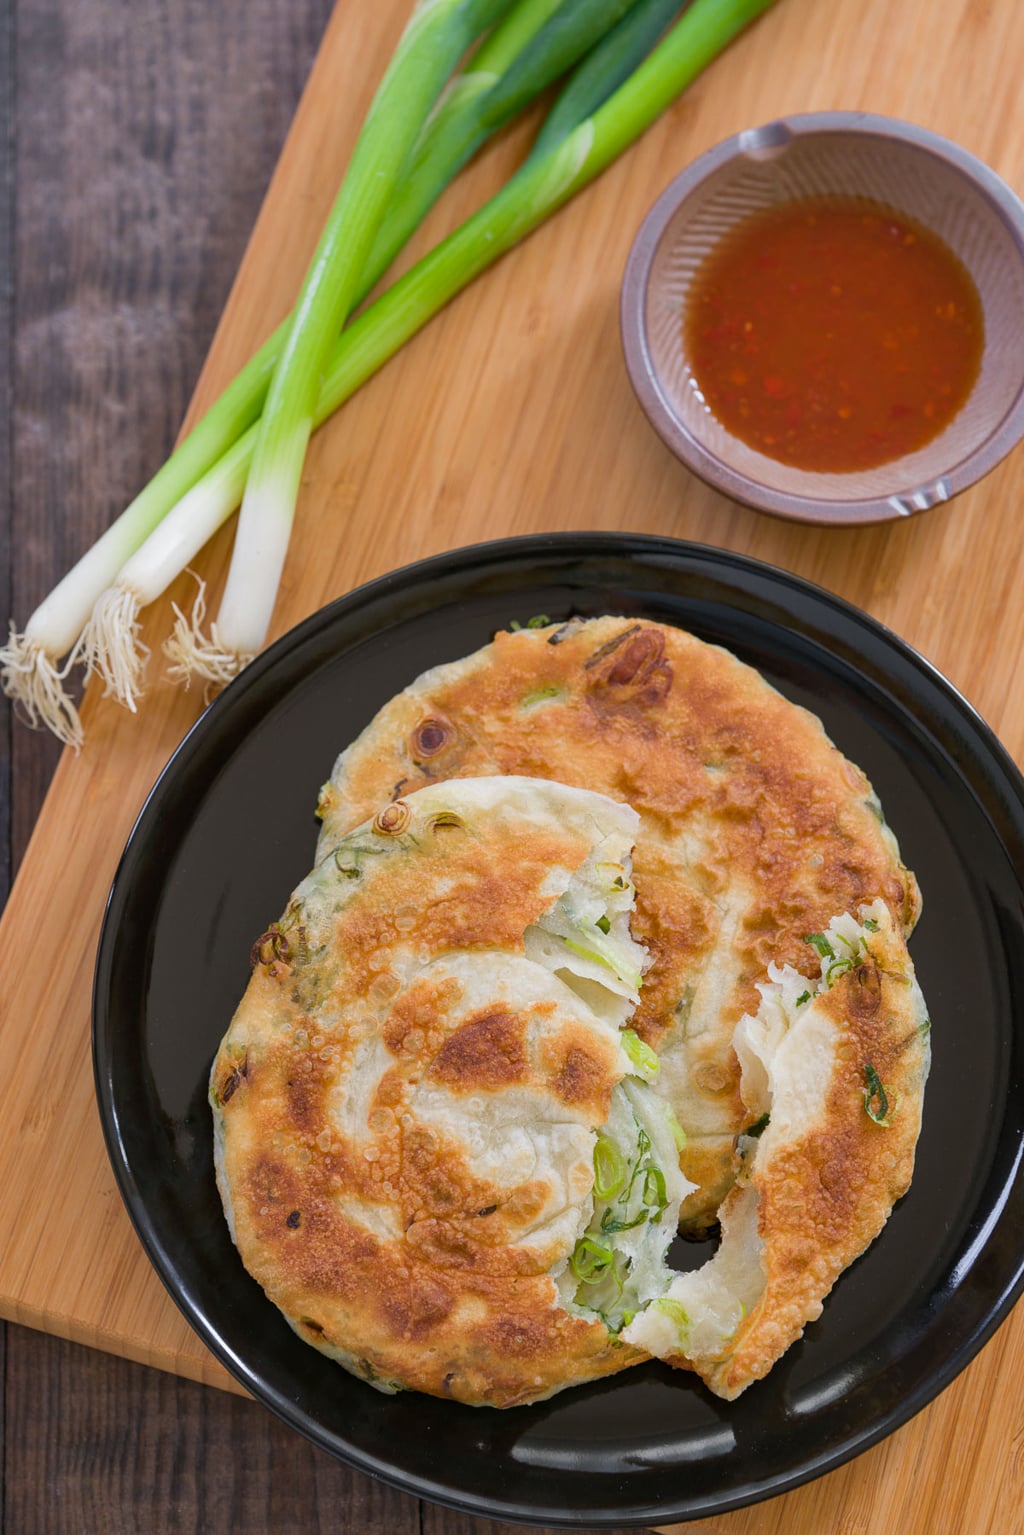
137	142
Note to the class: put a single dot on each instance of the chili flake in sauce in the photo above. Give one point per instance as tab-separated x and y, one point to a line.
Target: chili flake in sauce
833	334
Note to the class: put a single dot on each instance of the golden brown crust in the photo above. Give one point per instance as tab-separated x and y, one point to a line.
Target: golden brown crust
754	829
406	1106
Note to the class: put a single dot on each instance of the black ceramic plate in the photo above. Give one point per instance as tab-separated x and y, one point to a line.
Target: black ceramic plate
229	829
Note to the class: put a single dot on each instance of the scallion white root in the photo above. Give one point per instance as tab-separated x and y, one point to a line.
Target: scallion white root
111	644
35	681
191	654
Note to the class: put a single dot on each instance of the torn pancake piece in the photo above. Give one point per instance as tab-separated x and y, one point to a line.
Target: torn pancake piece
437	1151
833	1075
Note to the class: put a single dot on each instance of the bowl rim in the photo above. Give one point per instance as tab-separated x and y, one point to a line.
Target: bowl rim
644	375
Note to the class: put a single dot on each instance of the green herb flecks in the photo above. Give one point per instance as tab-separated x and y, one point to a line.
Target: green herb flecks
538	621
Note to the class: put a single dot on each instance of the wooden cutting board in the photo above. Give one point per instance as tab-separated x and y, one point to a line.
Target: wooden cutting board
512	414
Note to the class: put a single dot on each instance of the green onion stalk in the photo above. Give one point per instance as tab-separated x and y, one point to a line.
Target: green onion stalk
436	38
538	189
428	52
524	47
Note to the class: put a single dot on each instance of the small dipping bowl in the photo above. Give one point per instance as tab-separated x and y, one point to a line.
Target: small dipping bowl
845	154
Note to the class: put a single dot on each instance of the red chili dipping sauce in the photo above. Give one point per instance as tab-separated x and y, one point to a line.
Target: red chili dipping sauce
833	334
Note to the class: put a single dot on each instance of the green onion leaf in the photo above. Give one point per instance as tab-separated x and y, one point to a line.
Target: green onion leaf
804	996
604	924
820	944
876	1099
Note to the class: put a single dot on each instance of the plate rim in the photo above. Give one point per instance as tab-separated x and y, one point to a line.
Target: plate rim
489	555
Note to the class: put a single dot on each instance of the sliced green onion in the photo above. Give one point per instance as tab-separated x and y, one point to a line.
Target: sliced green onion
655	1195
610	1223
870	924
804	996
820	944
678	1133
876	1099
837	968
539	696
640	1054
609	1168
590	1260
600	953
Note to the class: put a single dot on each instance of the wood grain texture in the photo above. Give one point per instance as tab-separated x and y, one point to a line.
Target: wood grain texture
141	1451
510	414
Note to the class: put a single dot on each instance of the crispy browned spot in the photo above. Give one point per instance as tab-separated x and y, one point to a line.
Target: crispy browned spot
415	1012
233	1081
269	947
865	994
393	819
638	673
431	736
488	1052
